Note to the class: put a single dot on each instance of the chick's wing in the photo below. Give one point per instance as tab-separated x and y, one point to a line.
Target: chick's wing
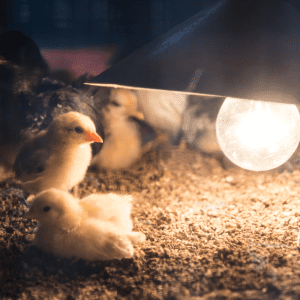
103	241
147	132
31	160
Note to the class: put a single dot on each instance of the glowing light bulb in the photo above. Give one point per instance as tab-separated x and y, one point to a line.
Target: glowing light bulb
258	135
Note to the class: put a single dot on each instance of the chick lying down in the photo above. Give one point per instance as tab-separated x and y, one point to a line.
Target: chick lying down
97	227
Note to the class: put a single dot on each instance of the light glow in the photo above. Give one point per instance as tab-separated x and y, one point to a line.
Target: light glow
261	129
258	135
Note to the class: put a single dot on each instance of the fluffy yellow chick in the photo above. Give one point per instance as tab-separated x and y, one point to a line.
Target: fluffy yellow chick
115	209
123	143
59	156
109	207
69	229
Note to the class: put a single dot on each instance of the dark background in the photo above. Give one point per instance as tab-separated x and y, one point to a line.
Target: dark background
58	23
85	23
127	25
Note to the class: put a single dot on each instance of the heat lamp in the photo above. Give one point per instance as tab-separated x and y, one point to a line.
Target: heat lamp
258	135
249	52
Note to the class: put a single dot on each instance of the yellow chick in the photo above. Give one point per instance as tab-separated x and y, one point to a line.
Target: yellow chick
109	207
115	209
68	229
123	143
59	156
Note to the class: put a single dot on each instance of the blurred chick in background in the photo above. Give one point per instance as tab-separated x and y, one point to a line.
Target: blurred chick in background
163	110
125	132
199	124
59	156
69	227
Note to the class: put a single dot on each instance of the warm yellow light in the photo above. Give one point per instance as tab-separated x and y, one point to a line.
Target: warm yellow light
258	135
261	129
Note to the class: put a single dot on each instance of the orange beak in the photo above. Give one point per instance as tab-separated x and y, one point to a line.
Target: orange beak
93	137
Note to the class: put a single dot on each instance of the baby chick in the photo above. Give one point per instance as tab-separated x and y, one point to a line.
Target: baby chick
115	209
69	229
109	207
122	128
59	156
30	99
163	110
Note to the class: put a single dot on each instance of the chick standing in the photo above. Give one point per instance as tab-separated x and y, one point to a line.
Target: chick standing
122	128
59	156
69	229
30	100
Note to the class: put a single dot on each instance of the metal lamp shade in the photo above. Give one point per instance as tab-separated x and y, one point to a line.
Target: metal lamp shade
242	49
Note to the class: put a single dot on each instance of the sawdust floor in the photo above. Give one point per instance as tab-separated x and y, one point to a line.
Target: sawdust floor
211	234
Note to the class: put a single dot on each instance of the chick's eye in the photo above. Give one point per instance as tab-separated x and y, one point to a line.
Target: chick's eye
46	208
78	129
115	103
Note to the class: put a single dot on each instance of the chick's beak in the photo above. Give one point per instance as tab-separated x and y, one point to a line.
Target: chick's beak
93	137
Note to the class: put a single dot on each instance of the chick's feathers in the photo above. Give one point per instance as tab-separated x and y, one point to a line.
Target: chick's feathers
96	240
29	162
109	207
52	99
123	128
57	157
114	209
69	228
